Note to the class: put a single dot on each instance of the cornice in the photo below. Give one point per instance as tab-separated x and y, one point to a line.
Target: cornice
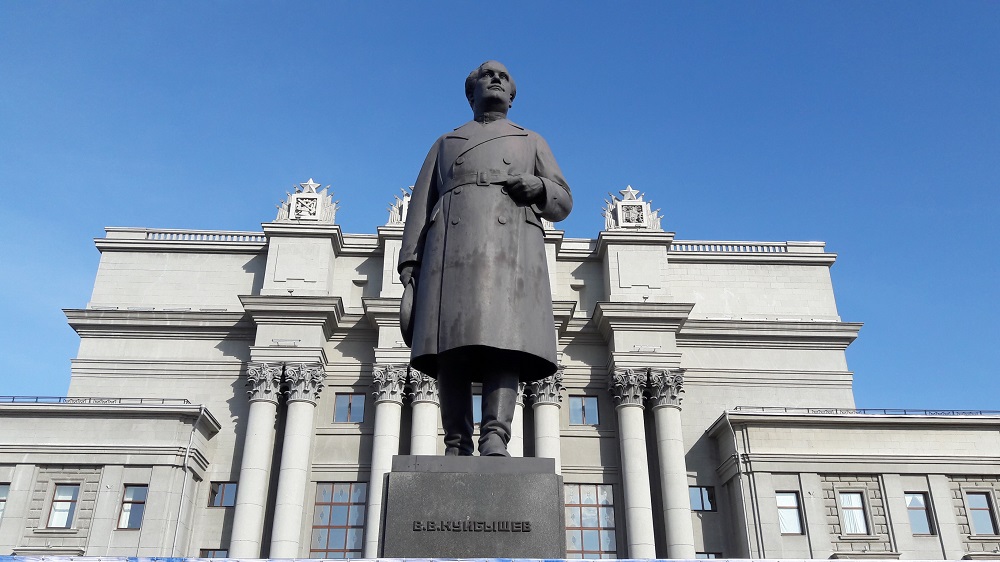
160	324
632	238
778	333
305	229
859	421
562	312
277	309
381	311
192	412
640	316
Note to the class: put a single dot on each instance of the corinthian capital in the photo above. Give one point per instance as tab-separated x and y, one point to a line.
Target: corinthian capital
305	381
627	386
548	390
264	380
666	386
388	382
520	393
423	388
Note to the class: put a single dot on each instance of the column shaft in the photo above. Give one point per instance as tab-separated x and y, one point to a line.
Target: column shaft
516	445
385	444
424	428
635	476
293	476
673	482
547	432
251	498
388	381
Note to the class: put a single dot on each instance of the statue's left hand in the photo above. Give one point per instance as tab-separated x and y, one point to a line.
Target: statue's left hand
524	189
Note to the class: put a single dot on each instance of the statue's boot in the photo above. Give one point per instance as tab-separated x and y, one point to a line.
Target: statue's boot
455	393
499	398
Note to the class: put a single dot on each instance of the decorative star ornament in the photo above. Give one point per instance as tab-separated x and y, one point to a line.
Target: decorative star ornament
309	187
628	194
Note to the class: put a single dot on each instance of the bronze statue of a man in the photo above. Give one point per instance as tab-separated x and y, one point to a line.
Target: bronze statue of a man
473	264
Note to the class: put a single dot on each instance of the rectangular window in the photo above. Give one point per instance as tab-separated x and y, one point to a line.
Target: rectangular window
702	498
133	506
339	520
852	513
920	515
222	494
707	555
4	492
349	408
590	521
210	553
789	513
981	515
583	410
63	506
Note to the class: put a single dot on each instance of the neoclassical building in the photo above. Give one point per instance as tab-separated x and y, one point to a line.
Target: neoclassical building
242	394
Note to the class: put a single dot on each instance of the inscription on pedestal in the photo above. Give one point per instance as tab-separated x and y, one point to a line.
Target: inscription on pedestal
473	507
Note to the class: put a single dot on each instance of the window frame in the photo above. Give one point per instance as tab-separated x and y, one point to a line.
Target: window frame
208	553
707	555
212	493
351	396
583	552
707	492
125	501
74	503
797	508
583	398
349	506
991	508
865	511
927	509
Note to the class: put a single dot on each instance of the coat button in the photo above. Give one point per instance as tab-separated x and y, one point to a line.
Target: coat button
457	190
502	220
459	161
455	220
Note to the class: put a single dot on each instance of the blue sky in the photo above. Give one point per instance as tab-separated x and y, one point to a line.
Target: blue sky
874	126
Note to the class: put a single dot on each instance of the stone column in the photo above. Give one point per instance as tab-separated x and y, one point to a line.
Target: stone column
264	379
627	386
516	445
388	381
425	414
305	381
666	387
546	396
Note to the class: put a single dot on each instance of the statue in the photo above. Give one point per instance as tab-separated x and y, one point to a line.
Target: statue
476	305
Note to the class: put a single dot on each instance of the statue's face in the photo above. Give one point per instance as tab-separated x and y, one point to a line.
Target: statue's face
493	86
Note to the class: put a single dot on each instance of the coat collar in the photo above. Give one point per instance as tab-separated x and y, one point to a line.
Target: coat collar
474	134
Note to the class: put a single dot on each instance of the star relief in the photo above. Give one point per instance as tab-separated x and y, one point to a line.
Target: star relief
629	194
309	187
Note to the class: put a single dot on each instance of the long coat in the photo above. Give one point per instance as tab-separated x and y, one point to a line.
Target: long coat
483	283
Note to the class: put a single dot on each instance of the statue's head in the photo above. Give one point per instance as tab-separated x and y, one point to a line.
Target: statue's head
492	84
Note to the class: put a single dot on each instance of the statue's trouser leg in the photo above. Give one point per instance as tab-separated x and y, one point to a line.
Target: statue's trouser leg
455	393
499	399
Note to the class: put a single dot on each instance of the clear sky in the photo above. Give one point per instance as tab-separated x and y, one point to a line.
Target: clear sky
874	126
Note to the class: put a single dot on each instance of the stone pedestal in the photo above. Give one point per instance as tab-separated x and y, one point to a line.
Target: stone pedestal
473	507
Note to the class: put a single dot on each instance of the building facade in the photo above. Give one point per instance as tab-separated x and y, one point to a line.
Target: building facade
241	394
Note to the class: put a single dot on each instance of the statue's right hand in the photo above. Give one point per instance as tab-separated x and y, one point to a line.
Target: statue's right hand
409	274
